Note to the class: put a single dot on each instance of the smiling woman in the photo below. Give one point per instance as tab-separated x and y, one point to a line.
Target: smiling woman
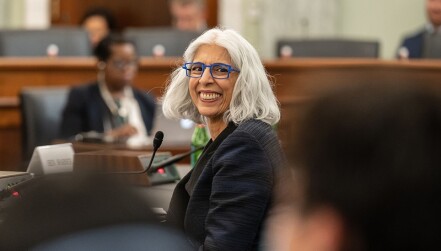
222	203
212	96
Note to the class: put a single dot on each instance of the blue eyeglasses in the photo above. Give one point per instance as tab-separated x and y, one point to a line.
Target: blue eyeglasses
217	70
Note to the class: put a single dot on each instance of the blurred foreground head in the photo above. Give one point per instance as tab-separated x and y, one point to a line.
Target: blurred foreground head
365	166
83	212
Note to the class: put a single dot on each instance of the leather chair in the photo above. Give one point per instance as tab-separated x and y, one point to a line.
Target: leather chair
35	43
41	110
172	41
327	48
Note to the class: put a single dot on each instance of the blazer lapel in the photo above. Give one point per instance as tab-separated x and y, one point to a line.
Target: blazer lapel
206	155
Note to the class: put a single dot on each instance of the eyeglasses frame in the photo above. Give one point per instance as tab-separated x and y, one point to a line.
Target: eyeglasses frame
204	66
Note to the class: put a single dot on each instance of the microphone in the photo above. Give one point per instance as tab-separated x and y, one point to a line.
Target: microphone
157	141
173	159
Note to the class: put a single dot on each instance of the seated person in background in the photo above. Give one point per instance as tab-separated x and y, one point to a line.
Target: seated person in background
365	172
111	105
98	22
426	43
188	15
73	211
222	203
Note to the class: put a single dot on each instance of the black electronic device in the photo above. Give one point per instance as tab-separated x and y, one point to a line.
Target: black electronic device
10	179
8	182
163	174
171	160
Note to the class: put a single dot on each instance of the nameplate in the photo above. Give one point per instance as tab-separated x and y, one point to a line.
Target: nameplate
51	159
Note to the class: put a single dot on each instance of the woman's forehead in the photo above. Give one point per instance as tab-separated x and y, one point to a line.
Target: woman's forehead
212	52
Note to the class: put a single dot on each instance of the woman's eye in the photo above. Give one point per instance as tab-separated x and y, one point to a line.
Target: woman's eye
221	69
196	68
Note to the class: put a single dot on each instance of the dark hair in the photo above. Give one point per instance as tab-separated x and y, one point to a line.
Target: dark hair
373	153
102	12
103	50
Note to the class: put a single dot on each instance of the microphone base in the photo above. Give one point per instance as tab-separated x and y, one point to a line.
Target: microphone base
167	174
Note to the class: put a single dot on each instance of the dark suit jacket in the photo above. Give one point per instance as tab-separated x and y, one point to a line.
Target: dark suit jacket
415	44
222	203
85	110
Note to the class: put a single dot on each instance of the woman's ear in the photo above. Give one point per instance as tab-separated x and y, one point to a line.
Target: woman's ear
101	65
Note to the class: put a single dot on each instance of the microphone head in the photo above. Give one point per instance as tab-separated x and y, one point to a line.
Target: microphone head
157	141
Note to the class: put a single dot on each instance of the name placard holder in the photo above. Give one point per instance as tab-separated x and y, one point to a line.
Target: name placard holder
51	159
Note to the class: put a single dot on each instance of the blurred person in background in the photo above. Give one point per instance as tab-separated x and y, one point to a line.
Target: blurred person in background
364	173
98	22
111	105
426	43
188	15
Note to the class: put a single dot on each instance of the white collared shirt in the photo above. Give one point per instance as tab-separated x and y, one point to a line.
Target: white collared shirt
431	29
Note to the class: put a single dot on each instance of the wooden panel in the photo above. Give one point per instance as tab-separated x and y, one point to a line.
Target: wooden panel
133	13
129	13
10	148
212	13
300	78
296	80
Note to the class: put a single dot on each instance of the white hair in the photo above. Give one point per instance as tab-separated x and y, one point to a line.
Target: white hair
253	97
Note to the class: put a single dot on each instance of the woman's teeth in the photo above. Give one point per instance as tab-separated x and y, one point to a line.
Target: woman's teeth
209	96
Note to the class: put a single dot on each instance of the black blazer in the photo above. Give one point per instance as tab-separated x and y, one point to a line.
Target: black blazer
415	44
222	203
85	110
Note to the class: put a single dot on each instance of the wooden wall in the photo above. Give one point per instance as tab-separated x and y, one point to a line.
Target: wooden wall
129	13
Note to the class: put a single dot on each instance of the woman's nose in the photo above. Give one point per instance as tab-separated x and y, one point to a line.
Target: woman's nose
206	76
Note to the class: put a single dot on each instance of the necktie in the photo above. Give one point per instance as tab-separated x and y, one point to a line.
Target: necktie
120	118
